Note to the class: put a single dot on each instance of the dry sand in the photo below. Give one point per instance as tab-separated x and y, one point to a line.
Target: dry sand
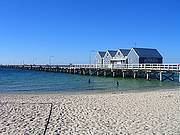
146	113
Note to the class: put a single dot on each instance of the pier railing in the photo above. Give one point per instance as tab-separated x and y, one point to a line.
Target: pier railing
165	67
159	67
149	67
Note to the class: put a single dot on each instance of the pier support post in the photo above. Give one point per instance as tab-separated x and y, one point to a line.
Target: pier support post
84	72
134	75
114	74
90	72
80	72
160	76
97	73
74	71
147	76
105	73
123	74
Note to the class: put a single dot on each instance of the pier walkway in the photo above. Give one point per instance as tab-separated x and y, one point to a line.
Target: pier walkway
149	71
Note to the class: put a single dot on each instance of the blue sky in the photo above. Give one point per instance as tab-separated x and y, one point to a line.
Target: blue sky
70	30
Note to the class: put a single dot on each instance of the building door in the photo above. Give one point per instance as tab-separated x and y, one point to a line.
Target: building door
126	61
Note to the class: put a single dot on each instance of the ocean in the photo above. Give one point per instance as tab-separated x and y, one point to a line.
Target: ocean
22	81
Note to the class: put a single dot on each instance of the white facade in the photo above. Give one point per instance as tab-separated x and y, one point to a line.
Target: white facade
118	55
119	58
99	59
107	58
112	57
133	57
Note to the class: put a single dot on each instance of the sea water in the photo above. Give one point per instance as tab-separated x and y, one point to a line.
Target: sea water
26	81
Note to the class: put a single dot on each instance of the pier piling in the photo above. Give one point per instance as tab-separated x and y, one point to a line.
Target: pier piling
134	75
160	76
114	74
84	72
123	74
97	73
147	76
105	73
90	72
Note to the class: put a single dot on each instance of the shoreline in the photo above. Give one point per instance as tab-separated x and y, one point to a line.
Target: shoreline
153	112
93	92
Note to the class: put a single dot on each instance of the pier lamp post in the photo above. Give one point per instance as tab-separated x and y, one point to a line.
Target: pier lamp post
50	59
90	56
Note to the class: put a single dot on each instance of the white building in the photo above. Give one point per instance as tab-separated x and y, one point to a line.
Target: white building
144	56
110	54
100	57
121	57
126	56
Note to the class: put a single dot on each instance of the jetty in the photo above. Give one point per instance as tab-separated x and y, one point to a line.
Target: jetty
147	71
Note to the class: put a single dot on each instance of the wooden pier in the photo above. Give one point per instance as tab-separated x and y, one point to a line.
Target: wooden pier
148	71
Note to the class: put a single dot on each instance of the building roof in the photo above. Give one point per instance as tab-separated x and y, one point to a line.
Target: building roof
101	53
147	52
124	51
112	53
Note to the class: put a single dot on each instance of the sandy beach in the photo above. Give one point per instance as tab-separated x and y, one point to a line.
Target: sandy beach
146	113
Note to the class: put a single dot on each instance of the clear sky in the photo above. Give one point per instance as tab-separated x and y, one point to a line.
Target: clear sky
71	30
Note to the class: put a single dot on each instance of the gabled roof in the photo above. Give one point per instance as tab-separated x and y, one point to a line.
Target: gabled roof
112	53
101	53
124	51
147	52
